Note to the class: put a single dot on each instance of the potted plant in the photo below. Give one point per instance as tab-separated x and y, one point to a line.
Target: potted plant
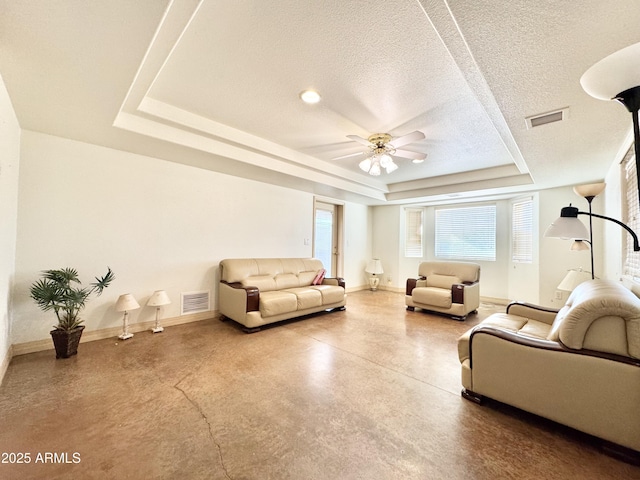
61	291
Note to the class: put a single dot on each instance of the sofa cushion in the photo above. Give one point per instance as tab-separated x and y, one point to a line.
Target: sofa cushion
307	297
277	302
536	329
286	280
441	281
593	300
317	280
436	297
465	271
306	278
264	283
513	323
330	293
607	334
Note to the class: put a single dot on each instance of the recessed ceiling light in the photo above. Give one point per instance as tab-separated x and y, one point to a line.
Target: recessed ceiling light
310	96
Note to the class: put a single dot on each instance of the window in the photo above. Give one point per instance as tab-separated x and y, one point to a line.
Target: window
413	232
632	214
522	231
467	233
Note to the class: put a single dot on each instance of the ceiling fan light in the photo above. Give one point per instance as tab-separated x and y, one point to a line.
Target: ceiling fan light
385	160
391	167
365	165
375	169
416	160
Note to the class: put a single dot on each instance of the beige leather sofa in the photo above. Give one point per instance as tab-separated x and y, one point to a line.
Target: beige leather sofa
452	288
578	366
258	291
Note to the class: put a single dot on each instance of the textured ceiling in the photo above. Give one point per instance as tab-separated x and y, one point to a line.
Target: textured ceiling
215	84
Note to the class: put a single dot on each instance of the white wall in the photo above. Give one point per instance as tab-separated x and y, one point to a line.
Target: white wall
9	168
157	224
357	244
387	234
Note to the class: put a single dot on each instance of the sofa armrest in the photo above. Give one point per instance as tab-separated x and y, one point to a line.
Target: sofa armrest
413	283
252	295
457	291
535	312
339	281
542	344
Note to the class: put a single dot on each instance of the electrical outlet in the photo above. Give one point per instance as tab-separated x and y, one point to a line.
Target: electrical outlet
388	278
558	295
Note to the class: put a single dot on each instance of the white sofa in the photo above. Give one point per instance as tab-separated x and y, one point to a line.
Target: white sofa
578	366
259	291
452	288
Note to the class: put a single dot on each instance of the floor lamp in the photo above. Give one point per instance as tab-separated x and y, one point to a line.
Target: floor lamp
617	77
568	226
589	192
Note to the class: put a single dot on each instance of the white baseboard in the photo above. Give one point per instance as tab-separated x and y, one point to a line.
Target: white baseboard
356	289
113	332
390	288
5	363
496	301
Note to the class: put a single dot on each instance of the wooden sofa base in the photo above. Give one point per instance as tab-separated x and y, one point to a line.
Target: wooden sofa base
472	396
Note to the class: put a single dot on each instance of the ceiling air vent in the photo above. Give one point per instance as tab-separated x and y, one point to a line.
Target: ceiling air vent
549	117
194	302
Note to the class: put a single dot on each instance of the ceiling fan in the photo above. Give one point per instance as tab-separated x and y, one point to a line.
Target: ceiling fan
382	148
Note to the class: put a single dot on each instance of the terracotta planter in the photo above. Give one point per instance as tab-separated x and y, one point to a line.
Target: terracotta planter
66	343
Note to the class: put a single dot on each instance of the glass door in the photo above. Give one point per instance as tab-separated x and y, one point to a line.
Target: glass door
325	237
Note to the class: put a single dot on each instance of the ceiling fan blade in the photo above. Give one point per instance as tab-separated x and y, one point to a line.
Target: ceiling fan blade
358	139
410	154
347	156
405	139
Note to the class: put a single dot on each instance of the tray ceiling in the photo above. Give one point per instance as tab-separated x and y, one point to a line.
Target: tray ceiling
216	84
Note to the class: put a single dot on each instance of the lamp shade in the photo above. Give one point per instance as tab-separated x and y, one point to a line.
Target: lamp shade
374	267
158	299
572	279
589	190
566	227
614	74
579	245
126	302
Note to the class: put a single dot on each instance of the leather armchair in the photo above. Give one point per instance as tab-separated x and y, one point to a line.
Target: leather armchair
578	366
451	288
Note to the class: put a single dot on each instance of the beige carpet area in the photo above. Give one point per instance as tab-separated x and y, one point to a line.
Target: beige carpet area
372	392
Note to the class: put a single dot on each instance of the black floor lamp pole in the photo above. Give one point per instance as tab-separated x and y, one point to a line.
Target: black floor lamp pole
631	100
590	199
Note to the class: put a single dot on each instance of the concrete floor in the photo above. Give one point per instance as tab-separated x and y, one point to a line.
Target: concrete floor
369	393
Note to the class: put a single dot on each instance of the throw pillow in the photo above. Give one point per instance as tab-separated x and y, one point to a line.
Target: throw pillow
319	277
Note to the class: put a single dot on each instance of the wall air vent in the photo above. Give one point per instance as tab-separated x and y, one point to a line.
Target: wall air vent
194	302
549	117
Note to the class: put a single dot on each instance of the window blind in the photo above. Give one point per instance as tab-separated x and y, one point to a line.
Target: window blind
522	231
413	232
467	233
632	214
